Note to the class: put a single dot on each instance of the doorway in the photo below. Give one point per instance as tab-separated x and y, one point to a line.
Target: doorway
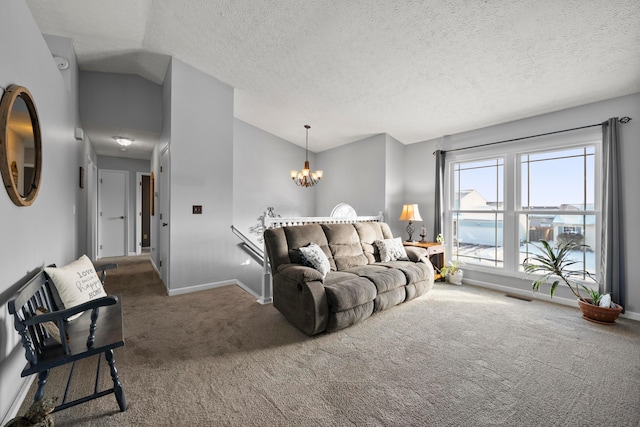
143	212
113	196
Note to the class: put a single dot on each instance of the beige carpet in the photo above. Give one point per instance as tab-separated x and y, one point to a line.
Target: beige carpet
458	356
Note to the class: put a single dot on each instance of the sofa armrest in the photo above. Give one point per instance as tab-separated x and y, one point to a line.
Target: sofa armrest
304	304
415	253
300	273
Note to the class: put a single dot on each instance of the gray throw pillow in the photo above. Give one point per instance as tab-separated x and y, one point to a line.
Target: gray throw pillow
391	249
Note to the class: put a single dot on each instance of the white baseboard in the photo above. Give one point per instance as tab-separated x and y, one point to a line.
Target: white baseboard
155	267
206	286
18	400
248	290
202	287
538	296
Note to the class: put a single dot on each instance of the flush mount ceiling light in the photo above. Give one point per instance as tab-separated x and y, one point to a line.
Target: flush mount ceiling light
123	140
306	178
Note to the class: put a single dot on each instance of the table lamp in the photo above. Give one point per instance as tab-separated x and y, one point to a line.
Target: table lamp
410	213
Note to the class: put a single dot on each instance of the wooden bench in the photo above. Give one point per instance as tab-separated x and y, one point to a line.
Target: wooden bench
98	330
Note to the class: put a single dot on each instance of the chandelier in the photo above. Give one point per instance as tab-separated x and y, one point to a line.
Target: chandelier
306	178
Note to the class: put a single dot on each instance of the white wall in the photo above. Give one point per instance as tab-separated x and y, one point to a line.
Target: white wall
574	117
201	174
63	47
132	166
45	232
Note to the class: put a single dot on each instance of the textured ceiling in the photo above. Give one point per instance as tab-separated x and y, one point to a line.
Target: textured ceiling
416	70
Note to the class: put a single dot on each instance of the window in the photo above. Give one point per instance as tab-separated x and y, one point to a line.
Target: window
478	211
502	202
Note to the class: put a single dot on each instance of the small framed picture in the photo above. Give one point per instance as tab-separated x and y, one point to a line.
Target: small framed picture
81	177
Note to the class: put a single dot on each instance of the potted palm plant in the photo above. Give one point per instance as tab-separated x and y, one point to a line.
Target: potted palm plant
556	266
453	272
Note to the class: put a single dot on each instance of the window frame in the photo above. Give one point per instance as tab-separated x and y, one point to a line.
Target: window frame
511	153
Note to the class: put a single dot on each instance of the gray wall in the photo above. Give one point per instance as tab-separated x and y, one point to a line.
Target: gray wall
120	102
261	166
394	188
353	174
201	174
423	190
133	166
45	232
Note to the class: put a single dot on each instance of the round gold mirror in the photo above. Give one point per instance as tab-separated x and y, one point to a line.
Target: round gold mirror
20	145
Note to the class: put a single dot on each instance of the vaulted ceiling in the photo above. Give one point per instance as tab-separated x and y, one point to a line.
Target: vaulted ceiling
416	70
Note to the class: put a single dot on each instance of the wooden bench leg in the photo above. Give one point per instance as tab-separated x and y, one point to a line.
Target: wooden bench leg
117	386
42	381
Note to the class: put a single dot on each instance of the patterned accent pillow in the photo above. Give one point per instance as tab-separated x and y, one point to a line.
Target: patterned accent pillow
313	256
76	283
391	250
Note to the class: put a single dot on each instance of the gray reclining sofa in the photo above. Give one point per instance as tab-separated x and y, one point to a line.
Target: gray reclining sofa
358	283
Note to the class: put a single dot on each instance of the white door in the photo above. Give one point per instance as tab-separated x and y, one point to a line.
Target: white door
164	202
112	212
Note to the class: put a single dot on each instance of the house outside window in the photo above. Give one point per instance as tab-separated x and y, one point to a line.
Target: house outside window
502	201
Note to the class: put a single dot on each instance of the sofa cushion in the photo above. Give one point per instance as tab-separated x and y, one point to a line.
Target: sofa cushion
276	244
390	298
363	270
345	246
302	235
369	232
415	253
387	280
413	271
350	293
346	318
338	276
312	256
391	250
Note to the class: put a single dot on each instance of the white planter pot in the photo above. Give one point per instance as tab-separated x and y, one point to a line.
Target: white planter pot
455	278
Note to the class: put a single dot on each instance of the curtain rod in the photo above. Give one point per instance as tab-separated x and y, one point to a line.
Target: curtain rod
621	120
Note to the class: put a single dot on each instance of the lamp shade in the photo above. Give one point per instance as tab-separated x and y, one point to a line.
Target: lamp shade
410	213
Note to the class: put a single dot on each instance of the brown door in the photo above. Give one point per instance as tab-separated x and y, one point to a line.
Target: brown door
145	238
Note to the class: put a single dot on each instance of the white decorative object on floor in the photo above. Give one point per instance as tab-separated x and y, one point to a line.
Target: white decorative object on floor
605	301
455	278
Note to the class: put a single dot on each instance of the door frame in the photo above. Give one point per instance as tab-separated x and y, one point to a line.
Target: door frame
92	209
164	208
138	233
126	210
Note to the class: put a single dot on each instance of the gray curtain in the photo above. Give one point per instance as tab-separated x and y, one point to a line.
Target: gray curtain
612	269
439	196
